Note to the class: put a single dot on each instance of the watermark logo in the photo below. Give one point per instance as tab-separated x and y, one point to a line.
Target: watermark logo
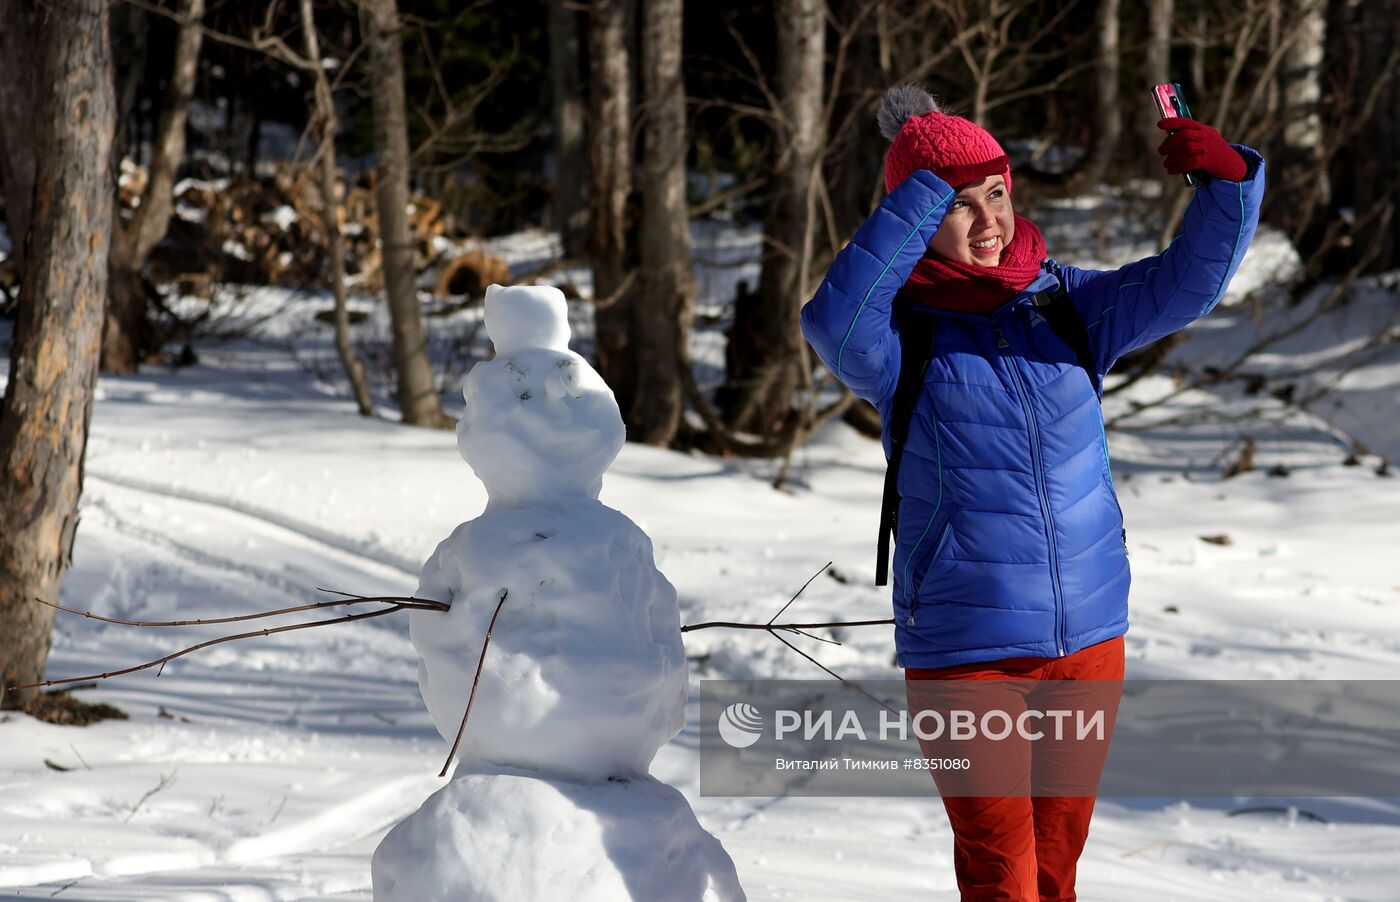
740	725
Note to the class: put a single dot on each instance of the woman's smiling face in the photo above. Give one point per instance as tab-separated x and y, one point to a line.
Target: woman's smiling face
979	225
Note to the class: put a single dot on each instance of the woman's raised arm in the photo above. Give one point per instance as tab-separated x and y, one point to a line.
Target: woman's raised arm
848	320
1135	305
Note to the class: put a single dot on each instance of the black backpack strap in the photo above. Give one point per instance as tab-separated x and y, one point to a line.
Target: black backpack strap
916	349
1064	320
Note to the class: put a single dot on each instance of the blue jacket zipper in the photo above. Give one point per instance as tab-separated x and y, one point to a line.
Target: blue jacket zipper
932	559
1003	345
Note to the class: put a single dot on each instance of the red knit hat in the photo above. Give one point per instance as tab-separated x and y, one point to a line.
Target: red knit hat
957	150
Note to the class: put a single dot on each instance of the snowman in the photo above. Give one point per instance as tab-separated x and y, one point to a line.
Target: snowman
585	677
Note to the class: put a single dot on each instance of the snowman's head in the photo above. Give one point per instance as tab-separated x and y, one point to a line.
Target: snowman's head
540	422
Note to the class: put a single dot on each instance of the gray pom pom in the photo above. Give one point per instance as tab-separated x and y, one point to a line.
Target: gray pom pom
900	104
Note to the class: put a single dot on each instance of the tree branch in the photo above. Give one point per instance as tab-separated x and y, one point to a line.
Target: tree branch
405	601
161	662
480	662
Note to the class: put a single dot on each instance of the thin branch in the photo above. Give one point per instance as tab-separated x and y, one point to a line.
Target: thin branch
770	627
720	198
856	686
166	781
346	67
407	602
480	662
773	629
618	294
808	635
1383	211
758	79
729	441
443	94
799	592
161	662
272	46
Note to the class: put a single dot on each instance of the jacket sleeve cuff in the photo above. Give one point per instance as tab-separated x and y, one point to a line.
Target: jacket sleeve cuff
1252	161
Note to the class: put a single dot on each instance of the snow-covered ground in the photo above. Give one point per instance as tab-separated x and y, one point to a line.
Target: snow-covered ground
270	768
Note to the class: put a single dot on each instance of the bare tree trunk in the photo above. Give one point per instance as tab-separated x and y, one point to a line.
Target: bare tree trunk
130	28
124	338
53	363
331	212
665	282
16	121
1156	69
1303	185
858	148
1108	118
610	171
568	201
418	398
1379	169
760	392
1197	63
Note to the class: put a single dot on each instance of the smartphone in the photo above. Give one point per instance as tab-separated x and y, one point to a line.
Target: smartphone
1171	104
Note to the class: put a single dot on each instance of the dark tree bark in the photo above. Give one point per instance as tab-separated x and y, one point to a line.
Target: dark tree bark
1196	64
662	308
857	163
760	391
53	363
417	394
130	27
124	334
610	173
1303	189
1156	69
330	210
1378	154
16	117
1108	118
568	198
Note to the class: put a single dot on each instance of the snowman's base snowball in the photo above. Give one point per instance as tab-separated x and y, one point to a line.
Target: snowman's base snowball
489	837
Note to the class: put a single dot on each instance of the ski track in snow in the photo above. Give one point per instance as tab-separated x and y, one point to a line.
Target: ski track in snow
180	861
337	568
301	530
334	824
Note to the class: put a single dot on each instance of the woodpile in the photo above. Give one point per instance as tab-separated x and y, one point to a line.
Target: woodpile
467	275
270	231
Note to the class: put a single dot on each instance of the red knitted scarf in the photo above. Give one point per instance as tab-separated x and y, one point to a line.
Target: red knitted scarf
968	287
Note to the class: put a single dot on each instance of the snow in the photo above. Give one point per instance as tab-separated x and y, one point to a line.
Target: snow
191	213
212	185
236	250
521	438
281	216
524	318
624	839
245	482
586	672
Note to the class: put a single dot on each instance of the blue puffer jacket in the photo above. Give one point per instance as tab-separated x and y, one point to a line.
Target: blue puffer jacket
1010	537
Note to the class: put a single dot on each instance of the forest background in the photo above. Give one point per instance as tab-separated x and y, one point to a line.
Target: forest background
152	154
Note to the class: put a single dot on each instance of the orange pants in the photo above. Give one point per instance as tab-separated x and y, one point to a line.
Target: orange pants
1023	848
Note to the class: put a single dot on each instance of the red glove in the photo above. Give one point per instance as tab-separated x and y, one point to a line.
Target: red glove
1193	145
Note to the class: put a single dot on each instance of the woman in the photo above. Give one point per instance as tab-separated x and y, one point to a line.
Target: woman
1010	560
